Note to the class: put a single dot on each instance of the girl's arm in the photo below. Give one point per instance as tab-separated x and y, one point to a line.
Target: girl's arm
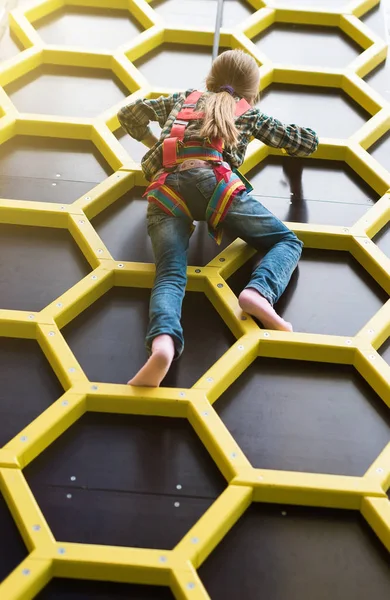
135	117
297	141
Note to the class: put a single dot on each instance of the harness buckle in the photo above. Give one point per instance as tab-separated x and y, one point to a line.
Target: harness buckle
180	122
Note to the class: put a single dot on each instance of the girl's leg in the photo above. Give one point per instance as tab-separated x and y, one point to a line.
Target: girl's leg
164	339
251	221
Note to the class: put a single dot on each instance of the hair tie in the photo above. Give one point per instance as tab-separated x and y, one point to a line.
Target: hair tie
227	88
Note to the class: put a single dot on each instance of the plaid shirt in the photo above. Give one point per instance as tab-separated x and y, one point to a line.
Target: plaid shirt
135	118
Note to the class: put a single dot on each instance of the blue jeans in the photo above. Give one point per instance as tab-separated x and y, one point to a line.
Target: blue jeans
247	219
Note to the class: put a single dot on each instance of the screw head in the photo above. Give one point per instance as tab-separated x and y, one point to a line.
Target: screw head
195	540
65	403
372	357
36	527
379	470
61	550
26	572
73	478
371	331
94	387
94	277
205	413
179	486
244	318
120	266
51	333
209	379
348	342
219	285
163	559
59	304
62	207
176	504
222	259
24	438
191	585
346	230
100	251
31	317
284	514
266	334
87	198
197	270
233	455
72	370
69	496
182	395
241	347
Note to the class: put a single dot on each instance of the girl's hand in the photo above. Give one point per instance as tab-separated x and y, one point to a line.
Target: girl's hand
150	140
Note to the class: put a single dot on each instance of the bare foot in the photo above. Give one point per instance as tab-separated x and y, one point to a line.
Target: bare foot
252	302
154	371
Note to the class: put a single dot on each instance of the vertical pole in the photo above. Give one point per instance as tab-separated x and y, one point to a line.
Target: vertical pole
218	23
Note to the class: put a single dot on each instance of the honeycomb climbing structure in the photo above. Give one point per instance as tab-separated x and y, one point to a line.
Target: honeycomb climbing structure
177	568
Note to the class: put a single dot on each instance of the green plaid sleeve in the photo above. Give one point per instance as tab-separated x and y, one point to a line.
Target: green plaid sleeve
135	117
297	141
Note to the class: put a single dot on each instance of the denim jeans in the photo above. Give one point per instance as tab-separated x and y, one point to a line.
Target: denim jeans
247	219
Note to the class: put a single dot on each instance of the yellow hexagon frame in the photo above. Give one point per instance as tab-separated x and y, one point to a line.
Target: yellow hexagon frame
177	568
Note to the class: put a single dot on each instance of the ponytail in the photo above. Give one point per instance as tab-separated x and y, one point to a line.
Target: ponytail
219	119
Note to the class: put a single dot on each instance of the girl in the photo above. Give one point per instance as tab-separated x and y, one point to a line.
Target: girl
203	137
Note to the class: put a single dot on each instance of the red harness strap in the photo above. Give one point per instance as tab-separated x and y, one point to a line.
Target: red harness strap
186	114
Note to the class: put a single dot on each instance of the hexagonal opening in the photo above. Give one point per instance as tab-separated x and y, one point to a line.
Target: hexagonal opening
12	548
329	111
289	43
9	45
88	27
292	552
381	151
150	499
28	385
201	13
67	91
123	229
71	589
290	189
38	265
191	65
310	417
108	338
329	293
50	169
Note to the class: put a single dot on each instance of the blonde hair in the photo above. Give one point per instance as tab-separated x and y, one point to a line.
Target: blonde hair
240	71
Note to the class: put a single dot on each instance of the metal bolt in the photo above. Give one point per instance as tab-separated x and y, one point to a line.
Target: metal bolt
244	318
219	285
26	572
31	317
266	334
120	266
94	277
72	370
94	387
87	197
190	585
178	487
195	540
81	222
366	242
24	438
197	270
371	331
59	304
36	527
284	514
345	230
73	478
51	333
372	356
69	496
100	251
65	403
222	259
348	342
177	504
379	470
61	550
233	455
163	559
210	379
205	413
62	207
118	175
182	395
241	347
